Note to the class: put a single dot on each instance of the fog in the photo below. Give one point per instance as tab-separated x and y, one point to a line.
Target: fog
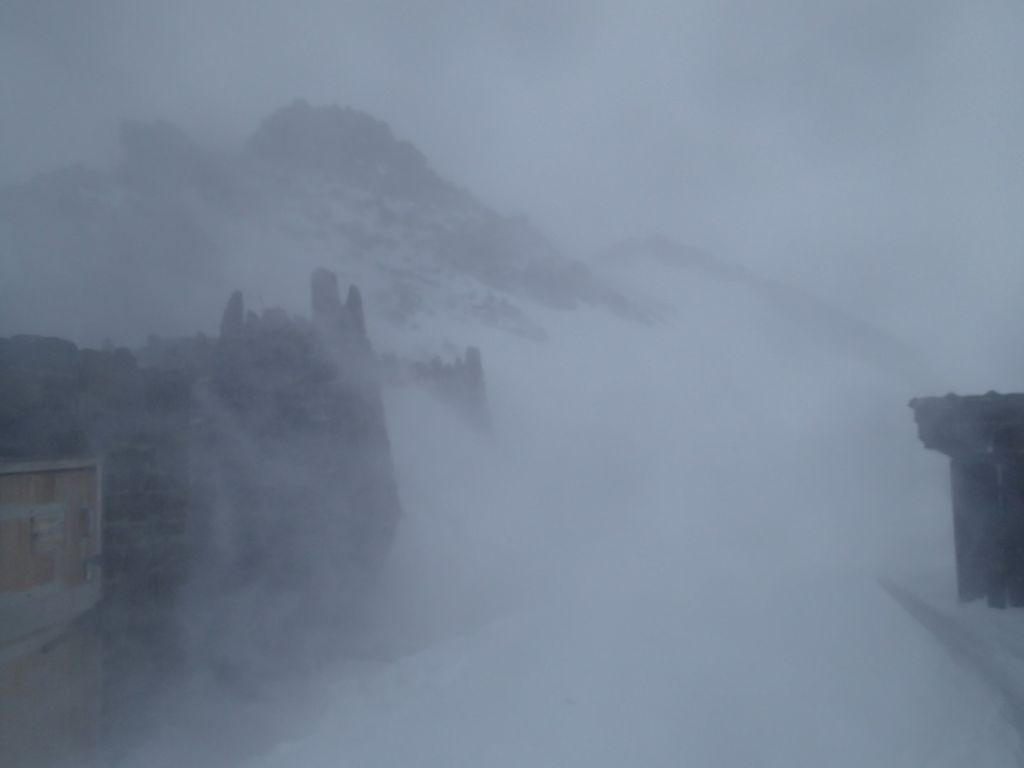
668	549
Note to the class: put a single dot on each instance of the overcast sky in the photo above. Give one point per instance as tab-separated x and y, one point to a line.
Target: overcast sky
860	147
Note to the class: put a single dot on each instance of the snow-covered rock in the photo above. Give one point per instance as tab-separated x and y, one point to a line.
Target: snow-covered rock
153	245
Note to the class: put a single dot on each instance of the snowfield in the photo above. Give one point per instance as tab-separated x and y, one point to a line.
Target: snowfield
669	557
830	674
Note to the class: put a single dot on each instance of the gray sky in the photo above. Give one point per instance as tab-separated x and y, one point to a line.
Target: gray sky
865	148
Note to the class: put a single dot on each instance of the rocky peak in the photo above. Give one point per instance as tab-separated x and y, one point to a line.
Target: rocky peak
343	144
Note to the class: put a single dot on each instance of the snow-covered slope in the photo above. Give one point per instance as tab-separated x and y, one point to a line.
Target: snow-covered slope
825	672
670	556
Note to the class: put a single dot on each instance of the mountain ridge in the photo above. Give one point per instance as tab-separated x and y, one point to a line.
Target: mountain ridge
148	245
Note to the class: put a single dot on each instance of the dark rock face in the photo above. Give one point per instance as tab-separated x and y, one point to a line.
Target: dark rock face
458	383
461	385
248	488
293	462
345	144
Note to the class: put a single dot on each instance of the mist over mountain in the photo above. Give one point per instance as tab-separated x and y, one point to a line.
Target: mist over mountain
645	265
152	245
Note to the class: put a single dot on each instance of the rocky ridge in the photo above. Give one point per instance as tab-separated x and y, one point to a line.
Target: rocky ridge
151	245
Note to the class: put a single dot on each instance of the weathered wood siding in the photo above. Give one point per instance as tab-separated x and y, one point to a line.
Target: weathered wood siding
24	564
49	583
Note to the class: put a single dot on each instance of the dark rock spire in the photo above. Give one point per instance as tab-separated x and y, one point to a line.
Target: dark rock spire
232	323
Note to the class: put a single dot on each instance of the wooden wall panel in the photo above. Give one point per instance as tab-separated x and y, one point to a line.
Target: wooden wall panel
78	490
50	686
16	567
21	567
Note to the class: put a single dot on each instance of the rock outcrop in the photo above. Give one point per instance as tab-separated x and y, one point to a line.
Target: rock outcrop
173	227
248	489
